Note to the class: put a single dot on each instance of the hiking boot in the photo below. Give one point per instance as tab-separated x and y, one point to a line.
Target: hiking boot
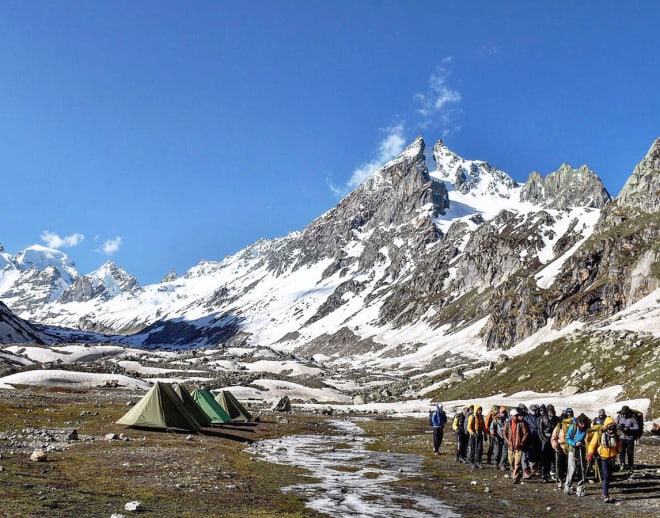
479	466
568	491
607	500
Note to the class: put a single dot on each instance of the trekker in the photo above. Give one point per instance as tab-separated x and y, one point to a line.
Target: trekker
490	416
558	440
547	425
496	431
575	438
600	419
605	445
516	435
628	426
461	439
532	455
476	427
438	420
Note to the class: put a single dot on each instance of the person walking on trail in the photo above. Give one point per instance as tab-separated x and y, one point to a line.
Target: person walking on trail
516	435
547	425
438	420
604	446
490	417
558	440
458	425
496	431
476	427
575	438
600	418
628	428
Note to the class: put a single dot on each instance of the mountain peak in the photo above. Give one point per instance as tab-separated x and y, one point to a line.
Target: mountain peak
566	188
642	190
470	176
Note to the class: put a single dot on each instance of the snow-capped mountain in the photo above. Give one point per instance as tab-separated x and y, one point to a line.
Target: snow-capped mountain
410	266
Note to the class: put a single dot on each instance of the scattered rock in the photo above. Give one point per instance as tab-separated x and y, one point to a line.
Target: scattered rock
73	436
136	505
283	405
111	436
39	456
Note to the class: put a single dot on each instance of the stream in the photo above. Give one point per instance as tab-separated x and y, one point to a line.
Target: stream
349	479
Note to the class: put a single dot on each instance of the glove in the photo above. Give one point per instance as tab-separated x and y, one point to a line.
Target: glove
590	457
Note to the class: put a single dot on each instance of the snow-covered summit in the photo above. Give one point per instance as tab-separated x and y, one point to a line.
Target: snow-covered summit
471	176
40	257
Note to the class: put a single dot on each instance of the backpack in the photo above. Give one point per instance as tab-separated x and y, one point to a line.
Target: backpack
639	418
565	425
465	423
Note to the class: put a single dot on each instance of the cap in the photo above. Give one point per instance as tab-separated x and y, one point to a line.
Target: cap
582	419
534	407
569	410
601	412
625	409
514	412
440	406
551	408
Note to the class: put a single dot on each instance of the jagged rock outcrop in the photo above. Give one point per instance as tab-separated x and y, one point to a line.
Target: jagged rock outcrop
642	190
566	188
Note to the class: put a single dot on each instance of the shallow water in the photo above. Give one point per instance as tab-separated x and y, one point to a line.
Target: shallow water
349	479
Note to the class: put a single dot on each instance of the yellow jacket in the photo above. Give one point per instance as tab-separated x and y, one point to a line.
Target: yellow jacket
476	422
606	446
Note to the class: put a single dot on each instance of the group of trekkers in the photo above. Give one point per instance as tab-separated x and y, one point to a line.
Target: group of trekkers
539	442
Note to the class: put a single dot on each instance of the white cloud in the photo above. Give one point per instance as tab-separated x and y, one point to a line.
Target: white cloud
392	145
53	240
110	246
438	101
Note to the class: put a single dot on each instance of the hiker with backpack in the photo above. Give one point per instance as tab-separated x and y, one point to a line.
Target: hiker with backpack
438	419
532	457
558	441
476	427
629	430
604	446
547	425
516	435
600	419
490	416
575	439
496	430
458	425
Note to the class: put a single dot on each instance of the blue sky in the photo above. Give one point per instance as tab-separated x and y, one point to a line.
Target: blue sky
160	133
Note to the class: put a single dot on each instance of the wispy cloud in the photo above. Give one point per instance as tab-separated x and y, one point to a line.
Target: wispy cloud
53	240
389	147
110	246
439	103
435	108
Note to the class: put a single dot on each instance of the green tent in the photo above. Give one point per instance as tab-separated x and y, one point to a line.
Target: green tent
190	403
231	405
210	406
160	408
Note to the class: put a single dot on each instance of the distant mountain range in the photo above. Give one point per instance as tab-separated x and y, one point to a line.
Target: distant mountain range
412	266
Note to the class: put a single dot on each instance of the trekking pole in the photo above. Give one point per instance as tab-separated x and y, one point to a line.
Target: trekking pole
581	490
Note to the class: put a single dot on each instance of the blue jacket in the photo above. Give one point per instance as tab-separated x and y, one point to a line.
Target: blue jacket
438	417
575	435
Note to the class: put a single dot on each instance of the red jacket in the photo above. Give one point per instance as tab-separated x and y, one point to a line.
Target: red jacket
516	434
